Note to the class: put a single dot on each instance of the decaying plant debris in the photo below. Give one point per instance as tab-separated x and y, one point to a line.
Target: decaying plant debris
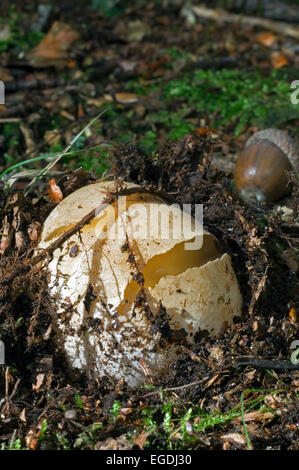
38	389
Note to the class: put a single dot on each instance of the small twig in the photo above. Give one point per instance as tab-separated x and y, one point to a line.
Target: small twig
8	397
33	84
8	119
257	293
174	389
14	389
6	386
223	16
266	364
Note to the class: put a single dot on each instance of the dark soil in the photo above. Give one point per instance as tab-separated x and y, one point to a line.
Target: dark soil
255	242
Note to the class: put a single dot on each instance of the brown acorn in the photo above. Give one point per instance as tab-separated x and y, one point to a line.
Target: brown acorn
261	172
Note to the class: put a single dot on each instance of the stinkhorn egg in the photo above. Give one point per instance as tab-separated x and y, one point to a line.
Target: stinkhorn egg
125	284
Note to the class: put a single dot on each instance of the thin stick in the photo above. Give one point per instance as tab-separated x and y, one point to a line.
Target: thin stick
266	364
174	389
222	16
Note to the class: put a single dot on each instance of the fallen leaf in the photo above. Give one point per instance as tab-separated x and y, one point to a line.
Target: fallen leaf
71	64
80	111
28	137
203	131
216	353
192	355
154	66
100	101
53	48
128	65
119	443
52	136
278	60
22	416
292	315
126	98
257	292
255	416
5	75
235	438
140	440
39	382
33	230
266	39
67	115
6	236
19	240
54	192
137	30
211	381
33	444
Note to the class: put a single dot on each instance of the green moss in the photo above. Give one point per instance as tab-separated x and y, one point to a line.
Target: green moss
115	409
107	7
232	97
173	426
21	39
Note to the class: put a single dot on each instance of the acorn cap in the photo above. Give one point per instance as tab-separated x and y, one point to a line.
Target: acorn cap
282	139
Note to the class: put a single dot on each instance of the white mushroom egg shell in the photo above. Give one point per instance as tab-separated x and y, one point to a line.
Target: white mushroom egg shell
99	324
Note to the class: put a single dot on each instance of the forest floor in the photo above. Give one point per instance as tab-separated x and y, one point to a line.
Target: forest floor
180	95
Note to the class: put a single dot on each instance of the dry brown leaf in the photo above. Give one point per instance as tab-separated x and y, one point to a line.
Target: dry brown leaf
279	60
266	39
100	101
6	236
191	354
19	240
255	416
22	416
53	48
235	438
54	192
67	115
5	75
216	353
80	111
39	382
126	98
140	440
33	445
119	443
257	292
52	136
203	131
28	137
292	315
211	381
33	230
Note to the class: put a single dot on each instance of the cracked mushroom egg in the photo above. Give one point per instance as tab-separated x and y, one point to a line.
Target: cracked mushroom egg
131	283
